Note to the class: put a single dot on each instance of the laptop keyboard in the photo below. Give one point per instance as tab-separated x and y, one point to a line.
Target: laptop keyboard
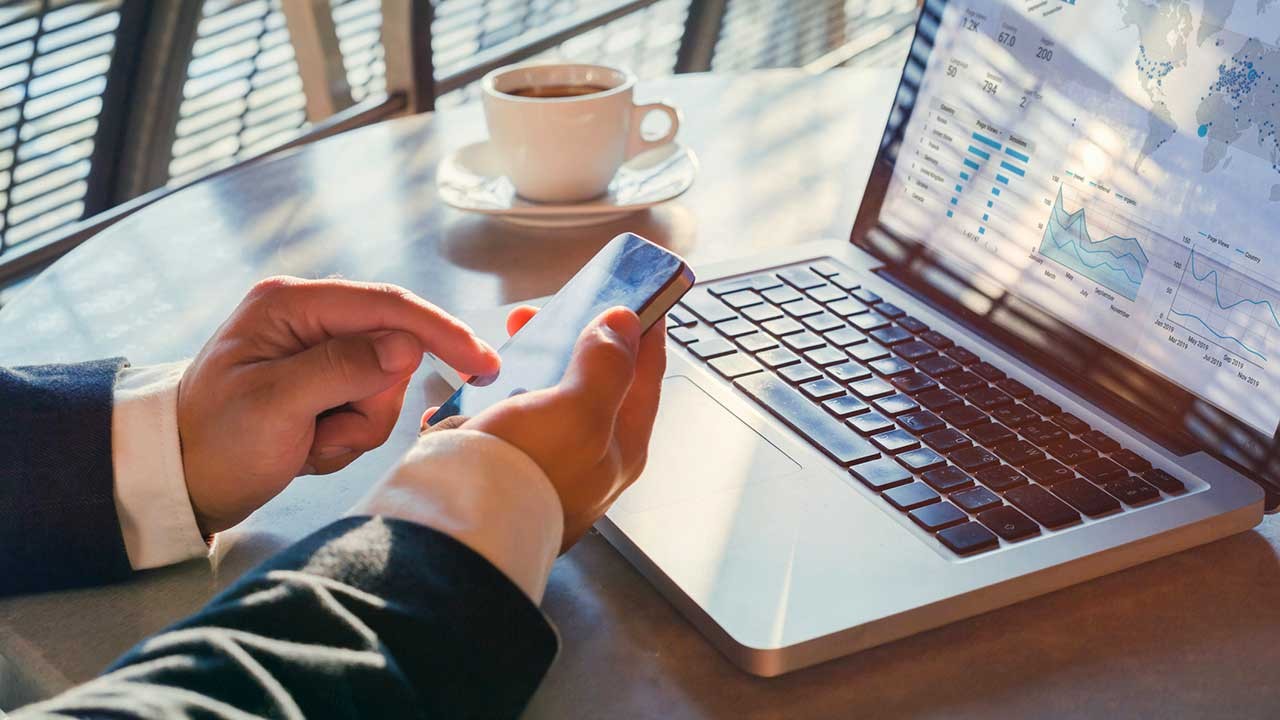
972	456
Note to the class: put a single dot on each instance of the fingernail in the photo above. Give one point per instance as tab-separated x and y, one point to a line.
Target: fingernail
332	451
397	352
626	326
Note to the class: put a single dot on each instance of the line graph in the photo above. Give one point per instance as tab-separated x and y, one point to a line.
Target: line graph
1116	262
1237	311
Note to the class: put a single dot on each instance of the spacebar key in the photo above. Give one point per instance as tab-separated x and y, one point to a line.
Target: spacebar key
800	414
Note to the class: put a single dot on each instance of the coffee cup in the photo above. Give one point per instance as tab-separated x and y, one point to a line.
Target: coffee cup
562	131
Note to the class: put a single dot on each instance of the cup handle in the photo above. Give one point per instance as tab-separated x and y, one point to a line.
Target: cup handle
637	143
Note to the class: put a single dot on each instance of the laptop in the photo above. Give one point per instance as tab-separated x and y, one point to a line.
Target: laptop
1049	350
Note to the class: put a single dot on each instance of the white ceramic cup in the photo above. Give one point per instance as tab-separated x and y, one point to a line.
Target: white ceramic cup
566	149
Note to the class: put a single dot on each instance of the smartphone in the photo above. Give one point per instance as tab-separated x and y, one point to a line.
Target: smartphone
630	272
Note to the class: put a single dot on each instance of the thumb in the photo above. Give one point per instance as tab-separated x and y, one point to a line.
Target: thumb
603	364
346	369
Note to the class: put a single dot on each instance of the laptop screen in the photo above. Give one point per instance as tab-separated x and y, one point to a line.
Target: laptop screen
1112	168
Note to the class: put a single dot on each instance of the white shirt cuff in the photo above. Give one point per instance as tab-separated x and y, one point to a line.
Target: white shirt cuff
156	518
485	493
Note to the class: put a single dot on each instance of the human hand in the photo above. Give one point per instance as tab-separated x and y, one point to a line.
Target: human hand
304	377
590	433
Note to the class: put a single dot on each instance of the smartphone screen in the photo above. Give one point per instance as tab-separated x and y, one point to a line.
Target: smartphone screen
629	272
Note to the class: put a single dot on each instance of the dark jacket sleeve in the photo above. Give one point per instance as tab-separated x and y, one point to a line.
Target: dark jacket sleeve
58	524
369	617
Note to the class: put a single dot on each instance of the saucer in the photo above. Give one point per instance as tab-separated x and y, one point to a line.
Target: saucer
470	179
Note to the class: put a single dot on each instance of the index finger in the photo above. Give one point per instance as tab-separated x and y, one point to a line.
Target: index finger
316	310
639	410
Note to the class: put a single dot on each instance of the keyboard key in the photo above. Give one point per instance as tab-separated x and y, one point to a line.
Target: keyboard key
890	335
781	327
681	319
881	474
802	341
1071	451
1042	506
869	423
939	365
780	357
765	281
1014	388
964	381
1131	490
735	328
844	337
895	441
891	311
825	269
868	323
742	299
1100	440
968	539
706	306
827	293
936	339
990	433
845	406
1166	482
963	416
735	365
822	389
686	335
987	371
762	313
756	342
1043	405
1043	433
825	356
803	278
866	297
987	398
1086	497
1018	452
938	516
939	399
921	422
847	308
849	372
801	373
913	383
1132	460
782	294
891	366
910	497
823	431
1070	423
1099	469
801	308
1016	416
867	352
895	405
975	500
973	458
947	478
1008	523
711	348
845	282
1048	472
824	322
915	351
872	389
962	355
921	460
914	325
731	286
1001	478
945	441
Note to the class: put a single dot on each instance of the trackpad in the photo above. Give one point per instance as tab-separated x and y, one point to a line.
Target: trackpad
699	447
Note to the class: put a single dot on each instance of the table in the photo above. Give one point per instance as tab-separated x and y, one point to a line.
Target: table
784	156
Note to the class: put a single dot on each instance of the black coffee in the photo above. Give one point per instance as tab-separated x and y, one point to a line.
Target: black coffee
557	91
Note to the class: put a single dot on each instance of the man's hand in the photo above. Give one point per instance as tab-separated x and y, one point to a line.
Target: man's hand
589	434
303	378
